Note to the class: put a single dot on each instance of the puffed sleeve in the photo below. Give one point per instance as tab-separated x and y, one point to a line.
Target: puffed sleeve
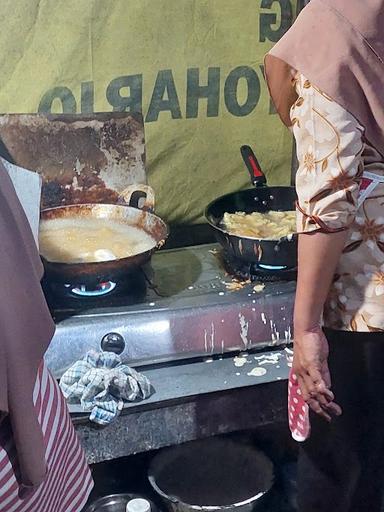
329	143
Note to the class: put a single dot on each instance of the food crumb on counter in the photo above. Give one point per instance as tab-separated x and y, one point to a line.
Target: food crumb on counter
258	288
268	358
240	361
257	372
235	285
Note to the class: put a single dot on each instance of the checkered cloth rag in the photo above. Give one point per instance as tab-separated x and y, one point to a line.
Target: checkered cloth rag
101	383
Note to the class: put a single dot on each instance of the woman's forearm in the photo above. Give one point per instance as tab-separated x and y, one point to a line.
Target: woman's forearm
318	256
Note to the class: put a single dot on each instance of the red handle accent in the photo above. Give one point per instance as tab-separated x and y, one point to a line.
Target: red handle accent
256	169
253	166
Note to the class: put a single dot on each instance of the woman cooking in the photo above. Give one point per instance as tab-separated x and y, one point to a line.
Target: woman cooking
42	466
326	78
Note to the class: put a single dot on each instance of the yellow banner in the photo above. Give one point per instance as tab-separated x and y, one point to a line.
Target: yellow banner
192	67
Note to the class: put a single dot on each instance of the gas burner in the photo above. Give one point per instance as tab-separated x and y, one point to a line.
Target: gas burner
100	290
256	272
130	290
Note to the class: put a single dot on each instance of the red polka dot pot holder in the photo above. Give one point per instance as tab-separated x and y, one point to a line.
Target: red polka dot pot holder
298	411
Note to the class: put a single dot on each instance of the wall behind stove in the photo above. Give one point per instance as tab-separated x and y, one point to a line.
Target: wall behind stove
193	67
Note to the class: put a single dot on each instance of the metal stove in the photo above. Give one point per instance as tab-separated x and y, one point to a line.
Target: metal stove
184	305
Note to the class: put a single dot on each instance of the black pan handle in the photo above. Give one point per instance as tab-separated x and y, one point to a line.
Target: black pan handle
257	176
139	196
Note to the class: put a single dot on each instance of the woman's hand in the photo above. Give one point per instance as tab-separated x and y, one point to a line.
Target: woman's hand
310	364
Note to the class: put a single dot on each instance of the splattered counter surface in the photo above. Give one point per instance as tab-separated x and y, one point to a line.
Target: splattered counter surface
180	381
192	308
194	399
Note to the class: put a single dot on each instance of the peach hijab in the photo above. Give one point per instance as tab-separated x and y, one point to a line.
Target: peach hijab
339	46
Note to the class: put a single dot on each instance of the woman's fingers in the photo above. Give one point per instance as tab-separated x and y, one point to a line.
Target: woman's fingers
334	409
316	388
316	394
319	387
316	407
310	395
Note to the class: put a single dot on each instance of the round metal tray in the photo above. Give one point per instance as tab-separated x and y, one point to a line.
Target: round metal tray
114	503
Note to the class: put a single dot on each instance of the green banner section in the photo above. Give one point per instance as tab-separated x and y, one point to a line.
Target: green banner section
192	67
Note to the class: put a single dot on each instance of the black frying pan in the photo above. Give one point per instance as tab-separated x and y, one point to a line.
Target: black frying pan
265	253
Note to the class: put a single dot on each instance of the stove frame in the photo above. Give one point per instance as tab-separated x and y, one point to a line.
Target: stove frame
189	314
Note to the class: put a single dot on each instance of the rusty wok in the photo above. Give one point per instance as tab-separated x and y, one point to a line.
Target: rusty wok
135	208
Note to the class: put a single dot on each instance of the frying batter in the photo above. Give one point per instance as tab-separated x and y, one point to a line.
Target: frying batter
271	225
89	240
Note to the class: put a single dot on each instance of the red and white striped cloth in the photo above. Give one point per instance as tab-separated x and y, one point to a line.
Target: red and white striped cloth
68	482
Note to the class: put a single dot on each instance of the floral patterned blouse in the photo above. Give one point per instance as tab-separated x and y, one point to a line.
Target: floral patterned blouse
333	155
